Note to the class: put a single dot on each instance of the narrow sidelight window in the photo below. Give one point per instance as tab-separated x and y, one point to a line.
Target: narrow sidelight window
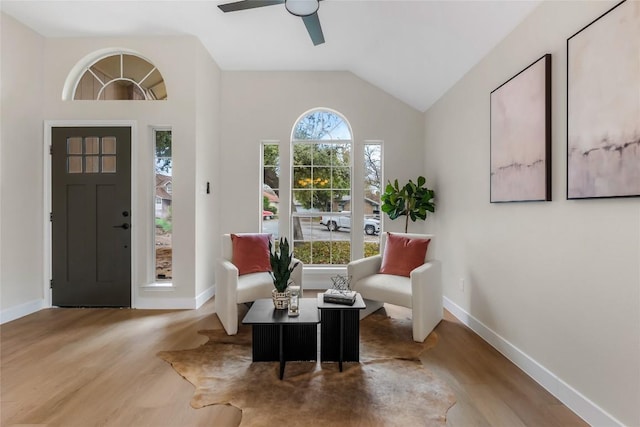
270	205
163	204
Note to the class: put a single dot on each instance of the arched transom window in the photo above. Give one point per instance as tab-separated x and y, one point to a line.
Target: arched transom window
120	76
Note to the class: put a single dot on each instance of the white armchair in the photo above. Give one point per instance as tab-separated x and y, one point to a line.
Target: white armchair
421	292
232	289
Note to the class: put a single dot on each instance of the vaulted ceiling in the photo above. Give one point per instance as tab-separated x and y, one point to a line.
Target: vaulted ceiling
415	50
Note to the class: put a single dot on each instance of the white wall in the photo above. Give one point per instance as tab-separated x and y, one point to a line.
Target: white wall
265	106
30	95
257	106
21	275
175	57
558	281
208	142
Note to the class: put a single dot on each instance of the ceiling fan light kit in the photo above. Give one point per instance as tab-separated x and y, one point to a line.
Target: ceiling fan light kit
302	7
305	9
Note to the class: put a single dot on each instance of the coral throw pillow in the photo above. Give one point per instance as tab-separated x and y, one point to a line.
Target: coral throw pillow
403	254
251	253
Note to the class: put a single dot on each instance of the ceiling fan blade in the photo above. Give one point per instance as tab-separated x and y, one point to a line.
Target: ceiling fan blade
313	28
247	4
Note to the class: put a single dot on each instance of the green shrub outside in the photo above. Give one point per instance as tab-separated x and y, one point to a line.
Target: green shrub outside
267	206
320	253
164	224
371	249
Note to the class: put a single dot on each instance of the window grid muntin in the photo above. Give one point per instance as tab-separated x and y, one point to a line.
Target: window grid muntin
87	155
333	147
313	167
154	90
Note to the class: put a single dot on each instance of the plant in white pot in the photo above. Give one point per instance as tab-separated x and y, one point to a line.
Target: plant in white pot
281	268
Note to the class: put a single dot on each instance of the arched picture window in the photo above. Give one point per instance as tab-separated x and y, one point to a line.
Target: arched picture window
321	188
121	76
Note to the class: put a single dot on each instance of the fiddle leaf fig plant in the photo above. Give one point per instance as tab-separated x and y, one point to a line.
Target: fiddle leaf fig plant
414	200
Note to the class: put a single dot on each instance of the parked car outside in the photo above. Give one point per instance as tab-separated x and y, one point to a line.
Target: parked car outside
267	214
336	222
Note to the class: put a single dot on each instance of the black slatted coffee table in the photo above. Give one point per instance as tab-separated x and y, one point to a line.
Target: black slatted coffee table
340	331
280	338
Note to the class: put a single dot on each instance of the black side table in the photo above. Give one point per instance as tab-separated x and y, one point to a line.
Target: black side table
340	331
278	337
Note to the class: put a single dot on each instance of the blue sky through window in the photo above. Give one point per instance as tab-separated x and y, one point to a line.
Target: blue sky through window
321	125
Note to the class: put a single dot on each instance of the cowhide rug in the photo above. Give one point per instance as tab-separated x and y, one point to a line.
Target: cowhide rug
389	387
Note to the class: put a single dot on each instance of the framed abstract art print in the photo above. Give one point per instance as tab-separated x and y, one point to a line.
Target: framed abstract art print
521	136
603	106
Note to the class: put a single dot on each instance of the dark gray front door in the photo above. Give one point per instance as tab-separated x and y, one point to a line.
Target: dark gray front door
91	216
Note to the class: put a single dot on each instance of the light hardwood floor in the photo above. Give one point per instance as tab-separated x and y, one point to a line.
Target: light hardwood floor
90	367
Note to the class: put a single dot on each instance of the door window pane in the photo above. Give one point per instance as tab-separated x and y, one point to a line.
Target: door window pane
91	145
109	145
91	164
91	154
74	145
74	164
109	164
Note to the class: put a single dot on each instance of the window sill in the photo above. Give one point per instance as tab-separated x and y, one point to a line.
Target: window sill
158	286
316	270
320	277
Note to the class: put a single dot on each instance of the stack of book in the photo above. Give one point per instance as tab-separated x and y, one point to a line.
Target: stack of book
337	296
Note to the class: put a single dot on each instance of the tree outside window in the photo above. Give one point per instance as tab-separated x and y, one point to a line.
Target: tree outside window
321	185
372	192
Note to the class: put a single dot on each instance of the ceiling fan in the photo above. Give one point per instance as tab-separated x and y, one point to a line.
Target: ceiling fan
306	9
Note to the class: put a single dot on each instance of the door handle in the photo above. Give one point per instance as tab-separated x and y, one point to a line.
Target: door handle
124	226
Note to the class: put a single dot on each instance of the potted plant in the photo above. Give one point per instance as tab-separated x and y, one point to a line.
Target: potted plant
281	269
413	200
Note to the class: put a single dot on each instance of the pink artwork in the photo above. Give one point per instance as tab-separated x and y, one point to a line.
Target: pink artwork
521	136
603	106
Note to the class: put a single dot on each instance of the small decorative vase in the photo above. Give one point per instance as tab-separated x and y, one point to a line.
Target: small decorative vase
280	299
294	300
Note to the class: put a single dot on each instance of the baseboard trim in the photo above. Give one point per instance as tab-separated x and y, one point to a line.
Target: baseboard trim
143	303
18	311
573	399
205	296
161	303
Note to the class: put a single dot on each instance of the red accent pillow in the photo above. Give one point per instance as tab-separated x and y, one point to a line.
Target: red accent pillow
251	253
403	254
